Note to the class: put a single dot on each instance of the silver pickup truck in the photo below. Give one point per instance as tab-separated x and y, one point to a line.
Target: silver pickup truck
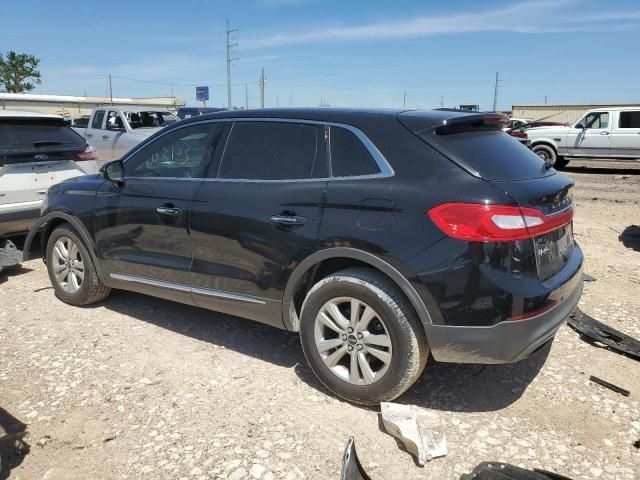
113	131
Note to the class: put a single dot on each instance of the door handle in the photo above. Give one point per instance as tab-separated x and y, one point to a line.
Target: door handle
169	211
288	220
604	133
105	137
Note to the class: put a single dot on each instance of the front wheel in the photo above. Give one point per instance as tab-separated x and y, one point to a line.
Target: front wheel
71	269
545	152
361	337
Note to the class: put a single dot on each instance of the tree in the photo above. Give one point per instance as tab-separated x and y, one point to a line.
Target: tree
18	72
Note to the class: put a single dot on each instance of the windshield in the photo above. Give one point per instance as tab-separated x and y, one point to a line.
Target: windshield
149	119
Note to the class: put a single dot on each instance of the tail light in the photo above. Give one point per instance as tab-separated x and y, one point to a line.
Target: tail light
88	154
495	223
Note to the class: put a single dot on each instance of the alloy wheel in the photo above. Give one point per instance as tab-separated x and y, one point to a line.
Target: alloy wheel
68	266
352	340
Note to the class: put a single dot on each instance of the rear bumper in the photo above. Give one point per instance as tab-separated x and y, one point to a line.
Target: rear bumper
19	220
508	341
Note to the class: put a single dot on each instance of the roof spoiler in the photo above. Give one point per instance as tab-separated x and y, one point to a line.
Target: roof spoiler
465	123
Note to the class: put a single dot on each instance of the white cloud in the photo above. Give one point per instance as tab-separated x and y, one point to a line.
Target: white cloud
529	17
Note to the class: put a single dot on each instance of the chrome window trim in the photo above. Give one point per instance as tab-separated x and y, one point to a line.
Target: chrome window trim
385	168
209	292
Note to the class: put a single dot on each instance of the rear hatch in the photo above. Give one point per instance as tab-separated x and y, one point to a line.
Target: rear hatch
476	143
35	153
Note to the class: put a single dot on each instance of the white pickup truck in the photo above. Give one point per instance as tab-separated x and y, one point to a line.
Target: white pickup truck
113	131
603	133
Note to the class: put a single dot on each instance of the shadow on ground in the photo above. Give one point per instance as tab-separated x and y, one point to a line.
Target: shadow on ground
12	271
630	237
603	170
442	386
13	448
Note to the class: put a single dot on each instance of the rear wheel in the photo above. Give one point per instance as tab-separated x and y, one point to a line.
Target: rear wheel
71	269
361	337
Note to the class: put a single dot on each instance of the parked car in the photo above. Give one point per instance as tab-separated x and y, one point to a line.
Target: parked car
82	122
520	132
516	122
188	112
604	133
380	236
36	151
113	131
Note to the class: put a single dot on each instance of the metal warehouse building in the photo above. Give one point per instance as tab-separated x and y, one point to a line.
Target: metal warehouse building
564	113
76	107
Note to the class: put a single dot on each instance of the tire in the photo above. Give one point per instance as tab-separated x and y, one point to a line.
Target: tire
561	162
87	287
545	152
393	368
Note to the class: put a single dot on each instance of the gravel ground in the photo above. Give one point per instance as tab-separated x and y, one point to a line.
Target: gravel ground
138	387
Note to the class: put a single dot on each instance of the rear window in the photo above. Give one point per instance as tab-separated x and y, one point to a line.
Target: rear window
485	150
20	135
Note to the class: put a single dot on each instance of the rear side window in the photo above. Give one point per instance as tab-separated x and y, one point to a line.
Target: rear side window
97	119
271	151
349	157
37	134
629	120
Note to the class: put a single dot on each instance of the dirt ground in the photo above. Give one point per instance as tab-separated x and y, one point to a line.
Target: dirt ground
141	388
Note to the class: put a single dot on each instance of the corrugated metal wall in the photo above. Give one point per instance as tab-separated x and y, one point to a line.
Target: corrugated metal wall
559	113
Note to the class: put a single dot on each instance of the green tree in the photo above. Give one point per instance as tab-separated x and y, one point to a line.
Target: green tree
18	72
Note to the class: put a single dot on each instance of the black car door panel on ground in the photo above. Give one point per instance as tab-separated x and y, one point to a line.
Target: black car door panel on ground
258	213
141	225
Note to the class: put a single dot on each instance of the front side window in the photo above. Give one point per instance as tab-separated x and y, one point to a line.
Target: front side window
629	120
97	119
179	154
149	119
271	151
114	121
594	120
349	157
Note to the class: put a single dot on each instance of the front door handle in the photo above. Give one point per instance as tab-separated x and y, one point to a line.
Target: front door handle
105	137
169	211
288	220
604	133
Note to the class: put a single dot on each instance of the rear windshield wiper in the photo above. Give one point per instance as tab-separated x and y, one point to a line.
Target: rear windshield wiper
46	143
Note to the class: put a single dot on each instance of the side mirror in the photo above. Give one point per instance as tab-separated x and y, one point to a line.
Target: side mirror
113	172
580	126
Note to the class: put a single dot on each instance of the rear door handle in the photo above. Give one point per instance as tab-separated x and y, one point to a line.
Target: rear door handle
169	211
105	137
604	133
288	220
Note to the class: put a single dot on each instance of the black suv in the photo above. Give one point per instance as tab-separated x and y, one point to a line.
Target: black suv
378	235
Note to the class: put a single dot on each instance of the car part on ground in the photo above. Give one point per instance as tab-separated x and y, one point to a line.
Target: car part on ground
588	278
622	391
419	430
594	331
9	254
13	448
504	471
351	467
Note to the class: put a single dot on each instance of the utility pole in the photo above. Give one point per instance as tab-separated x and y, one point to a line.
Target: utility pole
246	96
290	99
404	99
545	99
229	60
495	93
110	90
261	84
441	102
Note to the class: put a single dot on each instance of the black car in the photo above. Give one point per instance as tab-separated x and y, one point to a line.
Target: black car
380	236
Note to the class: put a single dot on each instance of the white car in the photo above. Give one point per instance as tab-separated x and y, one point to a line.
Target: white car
36	152
603	133
113	131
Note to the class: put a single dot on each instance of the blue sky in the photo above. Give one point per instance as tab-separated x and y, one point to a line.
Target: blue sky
351	53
